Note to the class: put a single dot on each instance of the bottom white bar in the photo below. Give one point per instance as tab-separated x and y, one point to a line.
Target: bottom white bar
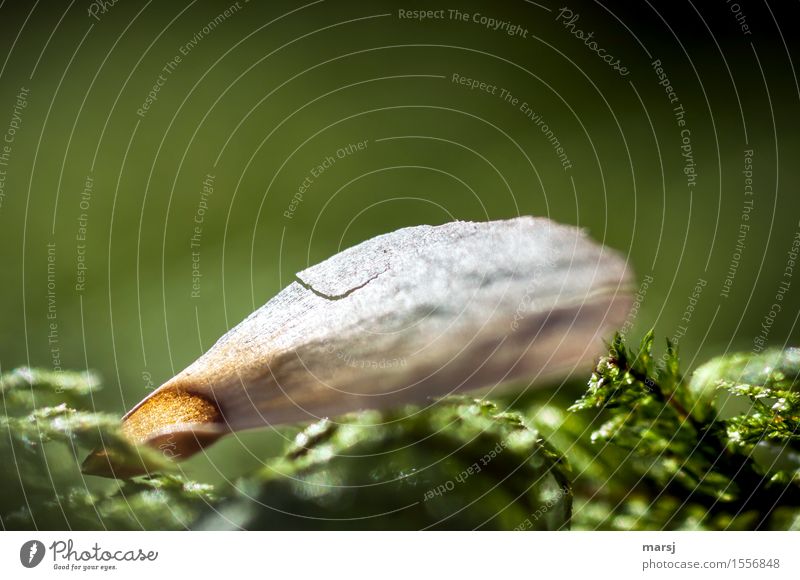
401	555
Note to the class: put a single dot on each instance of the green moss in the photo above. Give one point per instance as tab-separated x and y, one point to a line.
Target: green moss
694	467
459	464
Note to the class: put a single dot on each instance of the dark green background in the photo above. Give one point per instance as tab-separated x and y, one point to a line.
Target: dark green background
278	86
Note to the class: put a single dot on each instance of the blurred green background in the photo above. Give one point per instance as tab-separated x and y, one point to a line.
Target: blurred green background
264	93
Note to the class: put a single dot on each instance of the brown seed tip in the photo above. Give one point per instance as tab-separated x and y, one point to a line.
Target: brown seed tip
177	423
166	410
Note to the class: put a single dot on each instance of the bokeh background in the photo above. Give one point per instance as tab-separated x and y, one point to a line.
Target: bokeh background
109	277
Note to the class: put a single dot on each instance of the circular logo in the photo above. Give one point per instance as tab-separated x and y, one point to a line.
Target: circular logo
31	553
